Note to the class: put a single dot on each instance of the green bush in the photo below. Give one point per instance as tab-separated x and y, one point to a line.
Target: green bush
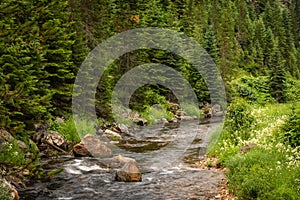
292	128
253	89
4	194
156	112
239	120
11	154
262	174
191	110
69	131
292	93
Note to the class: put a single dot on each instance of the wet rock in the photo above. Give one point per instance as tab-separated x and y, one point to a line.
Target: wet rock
5	136
47	141
137	118
186	118
112	135
79	150
207	110
174	120
129	173
217	111
119	161
55	138
11	189
123	128
140	121
132	116
219	114
15	181
162	121
247	147
174	106
91	146
180	113
216	108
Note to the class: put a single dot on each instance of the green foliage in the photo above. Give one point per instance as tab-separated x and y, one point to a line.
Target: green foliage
292	127
11	154
69	131
156	112
261	174
277	74
4	194
268	170
239	120
292	93
191	110
36	70
254	89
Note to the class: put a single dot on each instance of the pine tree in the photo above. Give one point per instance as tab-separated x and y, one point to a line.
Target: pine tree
24	94
277	74
210	43
269	46
57	43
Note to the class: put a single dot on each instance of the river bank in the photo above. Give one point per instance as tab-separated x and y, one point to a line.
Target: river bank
159	167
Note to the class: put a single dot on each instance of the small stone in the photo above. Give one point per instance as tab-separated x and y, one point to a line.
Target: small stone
26	172
129	173
123	128
112	135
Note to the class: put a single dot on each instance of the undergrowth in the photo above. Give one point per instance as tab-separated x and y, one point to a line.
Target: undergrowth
270	169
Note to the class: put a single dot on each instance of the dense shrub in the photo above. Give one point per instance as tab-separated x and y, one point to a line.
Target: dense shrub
261	174
11	154
253	89
68	129
239	120
292	128
4	194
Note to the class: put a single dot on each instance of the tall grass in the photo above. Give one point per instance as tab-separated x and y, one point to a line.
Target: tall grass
69	131
271	170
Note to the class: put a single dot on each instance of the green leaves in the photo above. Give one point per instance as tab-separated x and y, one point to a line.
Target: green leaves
35	58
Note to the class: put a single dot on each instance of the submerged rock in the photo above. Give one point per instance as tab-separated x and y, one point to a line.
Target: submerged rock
91	146
129	173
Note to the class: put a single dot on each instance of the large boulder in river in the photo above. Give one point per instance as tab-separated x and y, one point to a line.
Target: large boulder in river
129	173
91	146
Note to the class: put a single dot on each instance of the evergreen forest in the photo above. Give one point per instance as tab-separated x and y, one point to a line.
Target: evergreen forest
255	45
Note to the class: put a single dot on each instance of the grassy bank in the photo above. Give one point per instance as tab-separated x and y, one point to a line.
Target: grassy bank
259	146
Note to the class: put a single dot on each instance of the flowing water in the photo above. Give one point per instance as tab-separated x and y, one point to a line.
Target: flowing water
164	154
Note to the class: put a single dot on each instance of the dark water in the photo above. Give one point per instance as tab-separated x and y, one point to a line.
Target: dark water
164	155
